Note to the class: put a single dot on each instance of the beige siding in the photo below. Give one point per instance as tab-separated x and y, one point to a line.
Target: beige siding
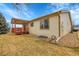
65	24
53	27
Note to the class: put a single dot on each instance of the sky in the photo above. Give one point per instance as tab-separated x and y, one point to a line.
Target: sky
30	11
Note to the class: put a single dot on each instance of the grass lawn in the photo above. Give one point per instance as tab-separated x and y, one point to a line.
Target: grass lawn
29	45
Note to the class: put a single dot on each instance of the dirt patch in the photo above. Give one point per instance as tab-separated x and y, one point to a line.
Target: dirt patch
70	40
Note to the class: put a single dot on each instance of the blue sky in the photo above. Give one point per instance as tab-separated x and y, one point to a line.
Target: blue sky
34	10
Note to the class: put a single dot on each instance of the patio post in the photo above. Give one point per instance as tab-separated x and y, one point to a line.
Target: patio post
23	28
14	27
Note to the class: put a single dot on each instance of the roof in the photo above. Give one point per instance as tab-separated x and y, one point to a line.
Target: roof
52	14
19	21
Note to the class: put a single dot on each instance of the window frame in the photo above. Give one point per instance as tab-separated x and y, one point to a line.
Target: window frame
43	23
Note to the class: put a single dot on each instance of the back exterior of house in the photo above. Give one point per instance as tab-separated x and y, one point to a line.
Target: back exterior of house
57	24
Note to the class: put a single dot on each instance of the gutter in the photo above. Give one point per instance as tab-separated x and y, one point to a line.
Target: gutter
59	29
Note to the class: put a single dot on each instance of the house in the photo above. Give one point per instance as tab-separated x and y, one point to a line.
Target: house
56	24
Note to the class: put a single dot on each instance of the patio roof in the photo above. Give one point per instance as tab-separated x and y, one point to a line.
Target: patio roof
19	21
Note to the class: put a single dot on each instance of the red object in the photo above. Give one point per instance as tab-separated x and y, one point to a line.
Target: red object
19	31
13	30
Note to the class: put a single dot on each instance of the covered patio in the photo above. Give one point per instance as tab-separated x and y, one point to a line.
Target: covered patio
19	30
